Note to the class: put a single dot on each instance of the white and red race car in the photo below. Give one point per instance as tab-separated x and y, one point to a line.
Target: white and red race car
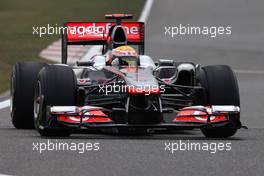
58	99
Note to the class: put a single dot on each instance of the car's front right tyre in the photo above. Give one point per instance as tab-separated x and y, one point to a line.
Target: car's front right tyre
56	86
23	80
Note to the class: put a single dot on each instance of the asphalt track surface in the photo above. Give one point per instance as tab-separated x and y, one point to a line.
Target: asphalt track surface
145	155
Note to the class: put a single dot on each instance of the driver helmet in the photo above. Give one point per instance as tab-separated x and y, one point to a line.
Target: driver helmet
124	56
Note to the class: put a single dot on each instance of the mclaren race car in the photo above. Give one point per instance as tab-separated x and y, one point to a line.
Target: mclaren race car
121	88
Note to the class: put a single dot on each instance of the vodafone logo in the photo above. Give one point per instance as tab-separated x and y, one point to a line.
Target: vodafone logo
99	29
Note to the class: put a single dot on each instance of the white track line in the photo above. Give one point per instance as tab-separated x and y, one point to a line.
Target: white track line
5	104
146	10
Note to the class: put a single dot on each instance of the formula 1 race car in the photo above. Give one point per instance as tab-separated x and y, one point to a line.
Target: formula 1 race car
121	88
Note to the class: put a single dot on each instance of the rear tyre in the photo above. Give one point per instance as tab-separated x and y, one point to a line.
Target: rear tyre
23	80
221	89
56	86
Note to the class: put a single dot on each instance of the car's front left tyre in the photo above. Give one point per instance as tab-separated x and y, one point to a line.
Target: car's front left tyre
221	89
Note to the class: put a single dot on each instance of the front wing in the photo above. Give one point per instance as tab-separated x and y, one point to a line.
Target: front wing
90	117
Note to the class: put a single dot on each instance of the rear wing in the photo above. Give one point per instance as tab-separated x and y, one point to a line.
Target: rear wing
99	33
95	33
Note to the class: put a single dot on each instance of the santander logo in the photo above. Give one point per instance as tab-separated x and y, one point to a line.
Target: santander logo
209	110
78	119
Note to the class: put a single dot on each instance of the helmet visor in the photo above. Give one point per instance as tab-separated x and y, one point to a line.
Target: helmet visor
131	61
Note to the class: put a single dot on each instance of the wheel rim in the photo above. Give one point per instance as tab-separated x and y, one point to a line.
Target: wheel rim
37	101
12	94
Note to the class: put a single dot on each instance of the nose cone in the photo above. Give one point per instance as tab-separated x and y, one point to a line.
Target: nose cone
140	80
